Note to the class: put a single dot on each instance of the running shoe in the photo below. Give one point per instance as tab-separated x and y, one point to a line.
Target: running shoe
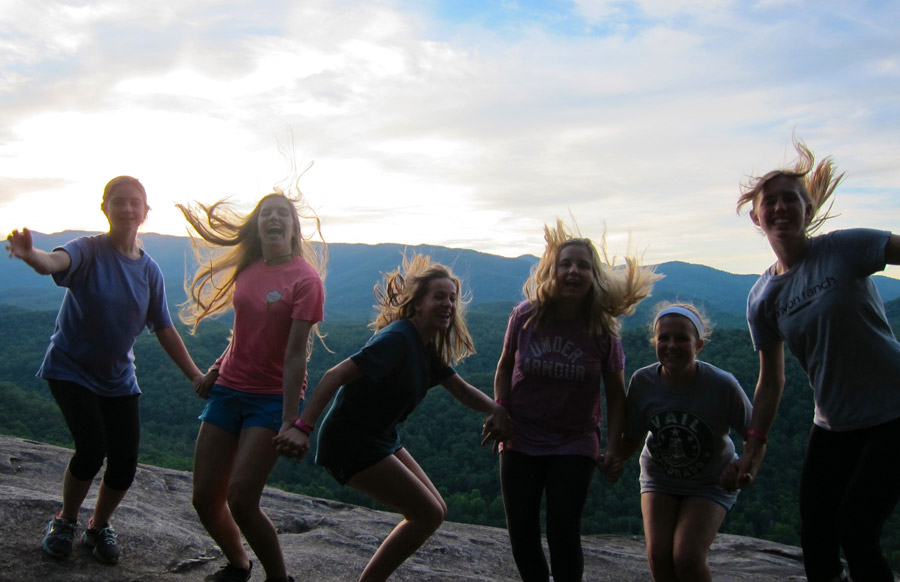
103	540
58	537
229	573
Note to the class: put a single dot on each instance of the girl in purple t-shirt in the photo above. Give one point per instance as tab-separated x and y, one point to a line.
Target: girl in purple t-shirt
561	346
113	291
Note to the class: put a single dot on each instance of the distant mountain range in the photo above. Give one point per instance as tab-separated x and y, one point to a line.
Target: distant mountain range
354	269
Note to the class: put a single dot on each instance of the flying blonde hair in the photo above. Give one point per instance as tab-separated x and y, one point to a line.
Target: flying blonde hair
400	289
817	185
226	242
615	290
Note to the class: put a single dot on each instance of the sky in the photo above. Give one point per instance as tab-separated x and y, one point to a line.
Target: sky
461	123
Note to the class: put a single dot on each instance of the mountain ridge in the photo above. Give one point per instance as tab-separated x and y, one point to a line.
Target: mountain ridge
354	269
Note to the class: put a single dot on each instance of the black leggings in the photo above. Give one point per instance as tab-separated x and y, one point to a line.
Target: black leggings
850	486
566	480
102	427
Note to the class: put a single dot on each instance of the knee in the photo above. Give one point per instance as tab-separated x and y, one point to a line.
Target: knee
660	561
120	472
243	507
689	564
431	516
85	464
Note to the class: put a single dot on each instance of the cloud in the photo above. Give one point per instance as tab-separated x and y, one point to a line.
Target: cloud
454	123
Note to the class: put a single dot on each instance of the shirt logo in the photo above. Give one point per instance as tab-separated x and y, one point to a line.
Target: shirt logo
681	444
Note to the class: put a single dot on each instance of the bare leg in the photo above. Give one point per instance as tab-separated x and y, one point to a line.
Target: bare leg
108	499
699	520
214	455
256	456
74	492
660	519
400	483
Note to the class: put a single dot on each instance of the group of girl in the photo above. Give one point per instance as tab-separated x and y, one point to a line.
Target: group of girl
561	357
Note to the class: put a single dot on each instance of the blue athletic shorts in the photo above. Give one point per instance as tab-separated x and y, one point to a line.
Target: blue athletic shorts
234	411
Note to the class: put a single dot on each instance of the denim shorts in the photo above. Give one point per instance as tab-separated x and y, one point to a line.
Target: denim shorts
234	411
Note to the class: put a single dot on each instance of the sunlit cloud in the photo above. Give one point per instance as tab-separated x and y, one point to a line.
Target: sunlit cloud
460	124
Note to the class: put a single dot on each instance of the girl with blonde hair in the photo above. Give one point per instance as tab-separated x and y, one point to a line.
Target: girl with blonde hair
819	298
686	409
420	331
263	267
561	348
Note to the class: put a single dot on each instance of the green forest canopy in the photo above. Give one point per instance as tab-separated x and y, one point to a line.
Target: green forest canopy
442	435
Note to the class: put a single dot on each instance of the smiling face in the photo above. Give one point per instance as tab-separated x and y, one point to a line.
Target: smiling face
677	344
126	207
436	308
573	272
781	210
275	225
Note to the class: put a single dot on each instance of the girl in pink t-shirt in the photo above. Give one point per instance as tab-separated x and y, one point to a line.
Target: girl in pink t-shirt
261	266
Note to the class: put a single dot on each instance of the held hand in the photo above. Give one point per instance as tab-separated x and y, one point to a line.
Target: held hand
742	472
204	383
19	244
496	427
611	467
291	442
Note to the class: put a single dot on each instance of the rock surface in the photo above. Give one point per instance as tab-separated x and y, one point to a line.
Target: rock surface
323	541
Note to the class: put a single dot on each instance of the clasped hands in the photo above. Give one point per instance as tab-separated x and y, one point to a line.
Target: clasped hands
291	442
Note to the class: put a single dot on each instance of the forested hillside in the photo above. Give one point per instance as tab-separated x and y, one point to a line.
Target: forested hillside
441	434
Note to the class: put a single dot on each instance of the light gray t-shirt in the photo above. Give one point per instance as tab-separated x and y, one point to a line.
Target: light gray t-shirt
688	443
829	313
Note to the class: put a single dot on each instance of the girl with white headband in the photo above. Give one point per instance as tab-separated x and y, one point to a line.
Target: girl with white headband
686	409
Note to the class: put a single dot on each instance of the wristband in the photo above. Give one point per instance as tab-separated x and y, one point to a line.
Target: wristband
761	437
503	402
301	425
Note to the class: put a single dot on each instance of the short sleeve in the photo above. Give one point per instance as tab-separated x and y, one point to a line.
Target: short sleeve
309	298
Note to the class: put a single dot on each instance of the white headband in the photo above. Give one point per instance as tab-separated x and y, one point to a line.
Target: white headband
674	309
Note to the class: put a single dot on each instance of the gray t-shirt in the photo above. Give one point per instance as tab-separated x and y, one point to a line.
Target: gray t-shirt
688	444
828	311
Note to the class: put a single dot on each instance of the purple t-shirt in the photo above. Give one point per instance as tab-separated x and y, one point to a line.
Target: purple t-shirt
109	301
555	401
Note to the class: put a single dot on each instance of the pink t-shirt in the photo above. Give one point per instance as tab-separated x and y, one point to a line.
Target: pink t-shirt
267	299
557	379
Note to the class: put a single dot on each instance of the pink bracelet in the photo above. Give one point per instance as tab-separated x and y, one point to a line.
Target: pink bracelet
753	433
503	402
301	425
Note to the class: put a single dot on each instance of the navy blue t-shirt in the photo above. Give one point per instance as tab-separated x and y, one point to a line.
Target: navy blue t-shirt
360	428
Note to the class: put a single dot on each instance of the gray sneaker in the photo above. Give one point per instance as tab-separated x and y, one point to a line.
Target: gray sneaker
103	540
58	537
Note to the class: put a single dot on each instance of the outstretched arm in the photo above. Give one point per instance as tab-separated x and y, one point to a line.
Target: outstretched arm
295	442
21	246
766	399
496	425
171	342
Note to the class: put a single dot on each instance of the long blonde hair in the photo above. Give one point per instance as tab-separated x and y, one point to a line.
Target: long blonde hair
226	242
615	290
400	289
817	185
